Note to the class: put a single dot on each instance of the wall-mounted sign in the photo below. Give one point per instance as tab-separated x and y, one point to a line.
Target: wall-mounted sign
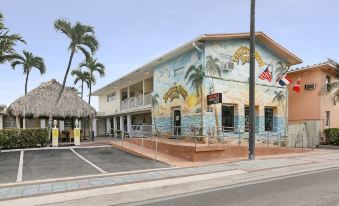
243	54
175	92
214	98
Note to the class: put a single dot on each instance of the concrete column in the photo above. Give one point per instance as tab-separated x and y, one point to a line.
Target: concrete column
143	92
121	123
42	123
24	123
129	123
17	119
62	125
94	126
1	122
115	124
108	125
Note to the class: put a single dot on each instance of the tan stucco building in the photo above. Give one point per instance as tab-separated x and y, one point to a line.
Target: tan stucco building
316	103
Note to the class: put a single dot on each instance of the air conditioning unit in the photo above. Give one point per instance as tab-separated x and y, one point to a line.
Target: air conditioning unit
310	86
227	66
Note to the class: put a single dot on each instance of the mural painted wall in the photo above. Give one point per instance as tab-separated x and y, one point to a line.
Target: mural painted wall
232	57
226	68
175	92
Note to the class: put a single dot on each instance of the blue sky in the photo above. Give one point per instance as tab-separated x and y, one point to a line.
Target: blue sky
133	32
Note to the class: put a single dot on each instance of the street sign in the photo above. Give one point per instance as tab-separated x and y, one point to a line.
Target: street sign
214	98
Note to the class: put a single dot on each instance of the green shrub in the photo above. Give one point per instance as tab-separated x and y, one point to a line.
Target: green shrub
23	138
332	136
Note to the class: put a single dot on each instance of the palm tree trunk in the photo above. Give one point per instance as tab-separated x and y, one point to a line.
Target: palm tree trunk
90	92
202	109
26	82
215	108
66	74
82	89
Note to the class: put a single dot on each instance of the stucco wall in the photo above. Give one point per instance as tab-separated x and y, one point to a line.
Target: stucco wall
306	104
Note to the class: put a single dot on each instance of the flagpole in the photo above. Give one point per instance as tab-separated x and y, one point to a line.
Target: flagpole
251	146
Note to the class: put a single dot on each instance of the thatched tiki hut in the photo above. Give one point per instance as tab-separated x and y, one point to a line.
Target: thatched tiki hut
38	106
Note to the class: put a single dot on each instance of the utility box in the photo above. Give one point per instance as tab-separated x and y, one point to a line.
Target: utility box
55	137
77	137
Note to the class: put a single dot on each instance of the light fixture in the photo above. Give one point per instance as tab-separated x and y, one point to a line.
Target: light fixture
146	72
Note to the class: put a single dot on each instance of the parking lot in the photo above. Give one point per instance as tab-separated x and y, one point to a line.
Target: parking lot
16	166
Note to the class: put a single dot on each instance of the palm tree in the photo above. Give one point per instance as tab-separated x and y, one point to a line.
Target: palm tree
83	77
195	76
28	61
213	69
155	104
93	66
7	42
82	37
280	98
335	85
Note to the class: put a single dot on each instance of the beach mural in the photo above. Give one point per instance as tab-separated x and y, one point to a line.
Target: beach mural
225	67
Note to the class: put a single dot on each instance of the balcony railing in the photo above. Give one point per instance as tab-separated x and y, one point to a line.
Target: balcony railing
135	102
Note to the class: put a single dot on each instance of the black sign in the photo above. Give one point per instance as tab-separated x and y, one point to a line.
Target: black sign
214	98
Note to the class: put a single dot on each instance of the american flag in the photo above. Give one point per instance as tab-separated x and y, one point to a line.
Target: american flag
266	74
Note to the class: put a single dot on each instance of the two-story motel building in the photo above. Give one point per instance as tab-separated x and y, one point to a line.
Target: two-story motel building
128	101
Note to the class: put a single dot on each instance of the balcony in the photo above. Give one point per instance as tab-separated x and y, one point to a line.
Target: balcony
135	102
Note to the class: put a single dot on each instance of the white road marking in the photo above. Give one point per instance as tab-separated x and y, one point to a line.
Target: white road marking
90	163
20	167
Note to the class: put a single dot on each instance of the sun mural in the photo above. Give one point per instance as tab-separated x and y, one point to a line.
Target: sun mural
175	92
243	54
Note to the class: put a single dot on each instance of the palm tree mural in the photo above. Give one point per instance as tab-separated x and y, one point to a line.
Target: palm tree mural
280	98
82	38
28	62
195	76
93	66
83	77
7	42
213	69
155	104
334	87
280	70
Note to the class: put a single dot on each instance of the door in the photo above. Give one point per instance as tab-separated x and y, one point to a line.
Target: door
177	121
228	118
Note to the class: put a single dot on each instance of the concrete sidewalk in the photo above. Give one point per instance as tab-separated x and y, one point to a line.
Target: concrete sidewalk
46	192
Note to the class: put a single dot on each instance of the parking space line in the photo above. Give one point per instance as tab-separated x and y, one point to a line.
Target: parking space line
90	163
20	167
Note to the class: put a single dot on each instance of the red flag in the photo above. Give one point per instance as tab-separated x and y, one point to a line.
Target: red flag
296	86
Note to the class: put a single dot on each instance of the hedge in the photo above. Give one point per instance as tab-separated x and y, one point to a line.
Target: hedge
23	138
332	136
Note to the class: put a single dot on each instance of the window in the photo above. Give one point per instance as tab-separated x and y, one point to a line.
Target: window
111	97
179	72
327	119
328	83
309	86
268	119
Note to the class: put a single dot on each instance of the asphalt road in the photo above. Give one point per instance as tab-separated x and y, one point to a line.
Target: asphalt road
61	163
311	189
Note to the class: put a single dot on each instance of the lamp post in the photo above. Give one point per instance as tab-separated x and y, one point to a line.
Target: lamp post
251	146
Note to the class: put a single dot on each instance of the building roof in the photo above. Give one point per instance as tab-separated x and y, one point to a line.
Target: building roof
328	64
40	102
261	37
